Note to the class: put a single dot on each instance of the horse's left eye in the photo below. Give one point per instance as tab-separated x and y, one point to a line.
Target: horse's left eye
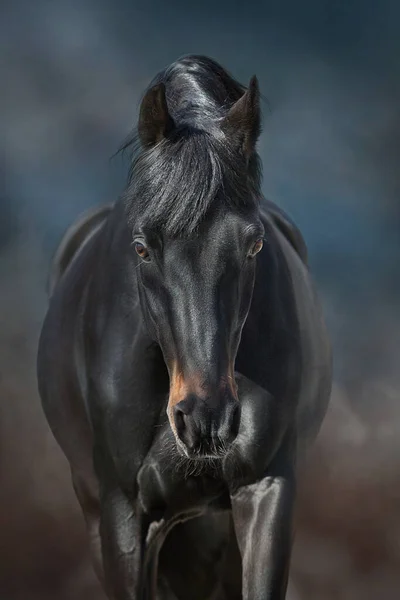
141	250
256	248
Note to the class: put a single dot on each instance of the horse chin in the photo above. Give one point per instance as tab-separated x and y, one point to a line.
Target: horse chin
198	456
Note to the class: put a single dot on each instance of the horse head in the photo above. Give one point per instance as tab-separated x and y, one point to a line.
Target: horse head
196	230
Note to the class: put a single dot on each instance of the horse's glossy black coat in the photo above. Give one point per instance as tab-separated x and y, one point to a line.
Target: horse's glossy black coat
183	383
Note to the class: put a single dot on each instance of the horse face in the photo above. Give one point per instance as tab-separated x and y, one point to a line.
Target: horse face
198	160
195	296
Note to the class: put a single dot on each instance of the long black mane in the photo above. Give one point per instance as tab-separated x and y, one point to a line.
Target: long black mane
175	183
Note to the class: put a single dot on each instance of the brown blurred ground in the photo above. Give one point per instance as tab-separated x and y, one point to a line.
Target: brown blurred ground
348	518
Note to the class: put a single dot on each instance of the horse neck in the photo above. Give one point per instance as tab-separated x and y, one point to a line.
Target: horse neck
114	254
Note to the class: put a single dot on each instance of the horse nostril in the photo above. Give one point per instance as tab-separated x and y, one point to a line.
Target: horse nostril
179	417
235	421
187	429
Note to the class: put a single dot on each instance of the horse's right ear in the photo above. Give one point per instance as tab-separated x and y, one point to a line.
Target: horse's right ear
155	122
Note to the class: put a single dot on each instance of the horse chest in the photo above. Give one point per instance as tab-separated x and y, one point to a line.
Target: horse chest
173	488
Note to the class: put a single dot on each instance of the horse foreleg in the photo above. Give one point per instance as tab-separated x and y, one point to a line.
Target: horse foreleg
122	533
262	514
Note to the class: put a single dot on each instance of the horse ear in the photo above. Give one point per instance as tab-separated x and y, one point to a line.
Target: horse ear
242	124
155	122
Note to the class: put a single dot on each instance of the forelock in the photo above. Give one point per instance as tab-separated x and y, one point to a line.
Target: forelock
173	185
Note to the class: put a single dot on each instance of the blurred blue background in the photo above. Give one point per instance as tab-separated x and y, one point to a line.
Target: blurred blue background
72	74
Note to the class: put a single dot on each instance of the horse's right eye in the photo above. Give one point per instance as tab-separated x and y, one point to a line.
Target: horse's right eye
141	250
257	247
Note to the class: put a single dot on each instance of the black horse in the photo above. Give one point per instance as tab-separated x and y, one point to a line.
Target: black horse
184	363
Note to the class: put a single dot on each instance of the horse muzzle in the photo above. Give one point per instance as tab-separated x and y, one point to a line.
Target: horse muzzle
205	429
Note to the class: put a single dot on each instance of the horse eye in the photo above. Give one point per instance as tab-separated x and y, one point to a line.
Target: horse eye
141	250
256	248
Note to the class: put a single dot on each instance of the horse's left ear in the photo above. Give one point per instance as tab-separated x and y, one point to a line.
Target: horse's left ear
155	122
242	124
